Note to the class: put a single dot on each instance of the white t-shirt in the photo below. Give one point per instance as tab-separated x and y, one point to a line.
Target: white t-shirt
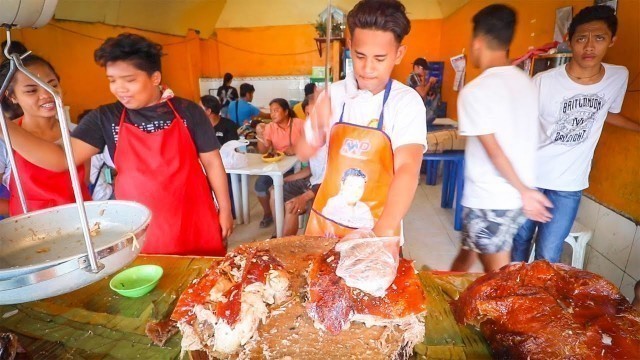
501	101
404	113
571	120
318	165
102	189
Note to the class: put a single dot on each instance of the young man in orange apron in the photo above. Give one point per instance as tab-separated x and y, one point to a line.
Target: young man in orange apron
378	128
164	149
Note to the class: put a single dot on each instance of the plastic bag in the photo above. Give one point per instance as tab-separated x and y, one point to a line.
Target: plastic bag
231	159
367	262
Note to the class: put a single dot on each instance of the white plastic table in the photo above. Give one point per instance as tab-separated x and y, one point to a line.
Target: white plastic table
240	186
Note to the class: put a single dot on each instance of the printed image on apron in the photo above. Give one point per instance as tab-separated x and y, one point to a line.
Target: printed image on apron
346	208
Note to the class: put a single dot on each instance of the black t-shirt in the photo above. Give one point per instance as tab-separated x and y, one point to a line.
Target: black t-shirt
227	94
226	130
100	127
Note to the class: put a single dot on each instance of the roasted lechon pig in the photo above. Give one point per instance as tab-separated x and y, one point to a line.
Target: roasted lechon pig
263	300
550	311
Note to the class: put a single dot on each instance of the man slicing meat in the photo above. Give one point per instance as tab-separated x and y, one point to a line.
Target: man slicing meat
377	124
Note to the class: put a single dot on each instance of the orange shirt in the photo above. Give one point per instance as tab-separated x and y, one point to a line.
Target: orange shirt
279	137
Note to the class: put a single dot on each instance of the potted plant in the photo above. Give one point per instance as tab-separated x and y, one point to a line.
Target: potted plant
336	28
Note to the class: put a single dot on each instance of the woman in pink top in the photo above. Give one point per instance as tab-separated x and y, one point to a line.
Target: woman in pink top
281	134
284	130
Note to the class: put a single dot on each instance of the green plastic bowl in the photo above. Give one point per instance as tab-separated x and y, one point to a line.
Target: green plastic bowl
136	281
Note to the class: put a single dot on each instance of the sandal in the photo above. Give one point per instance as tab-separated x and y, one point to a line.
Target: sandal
266	222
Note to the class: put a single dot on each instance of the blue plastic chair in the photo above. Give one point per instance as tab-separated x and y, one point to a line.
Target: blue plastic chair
452	180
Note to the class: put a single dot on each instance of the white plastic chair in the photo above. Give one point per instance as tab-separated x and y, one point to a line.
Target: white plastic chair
578	239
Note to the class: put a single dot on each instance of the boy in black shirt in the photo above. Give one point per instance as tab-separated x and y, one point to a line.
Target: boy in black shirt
226	130
160	145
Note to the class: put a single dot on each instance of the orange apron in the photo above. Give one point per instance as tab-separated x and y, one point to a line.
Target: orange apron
357	179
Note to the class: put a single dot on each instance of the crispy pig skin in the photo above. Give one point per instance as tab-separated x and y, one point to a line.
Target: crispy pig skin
258	265
330	302
196	293
246	265
8	346
161	331
550	311
333	304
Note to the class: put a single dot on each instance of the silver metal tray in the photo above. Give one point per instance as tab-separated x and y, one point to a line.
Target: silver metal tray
43	253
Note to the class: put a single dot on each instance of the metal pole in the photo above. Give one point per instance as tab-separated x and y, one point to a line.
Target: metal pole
66	140
5	132
329	34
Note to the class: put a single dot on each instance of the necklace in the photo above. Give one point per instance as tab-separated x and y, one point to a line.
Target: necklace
586	77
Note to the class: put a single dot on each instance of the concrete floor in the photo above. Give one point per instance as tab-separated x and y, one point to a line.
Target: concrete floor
429	235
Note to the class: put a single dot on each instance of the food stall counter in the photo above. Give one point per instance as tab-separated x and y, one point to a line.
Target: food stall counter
96	323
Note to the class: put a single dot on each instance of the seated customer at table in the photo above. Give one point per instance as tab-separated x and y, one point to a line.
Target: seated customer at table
226	130
281	134
300	188
298	108
241	111
425	85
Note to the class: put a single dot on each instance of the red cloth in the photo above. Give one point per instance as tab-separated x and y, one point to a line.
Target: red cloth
161	170
42	188
537	51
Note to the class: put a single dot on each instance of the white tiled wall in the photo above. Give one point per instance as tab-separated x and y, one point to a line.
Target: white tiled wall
614	249
267	87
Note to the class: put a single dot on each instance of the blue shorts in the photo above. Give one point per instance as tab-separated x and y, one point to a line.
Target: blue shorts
265	182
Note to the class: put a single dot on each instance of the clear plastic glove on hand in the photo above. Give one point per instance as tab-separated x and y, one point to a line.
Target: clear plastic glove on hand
367	262
318	123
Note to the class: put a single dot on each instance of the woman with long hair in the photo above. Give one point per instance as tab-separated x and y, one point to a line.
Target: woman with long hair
36	114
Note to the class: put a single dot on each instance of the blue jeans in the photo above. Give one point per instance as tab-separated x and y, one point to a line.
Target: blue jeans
551	235
4	194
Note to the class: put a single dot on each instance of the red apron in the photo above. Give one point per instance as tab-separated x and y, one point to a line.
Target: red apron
357	179
161	170
42	188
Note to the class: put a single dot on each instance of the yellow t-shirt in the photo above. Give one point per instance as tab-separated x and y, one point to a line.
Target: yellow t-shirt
297	108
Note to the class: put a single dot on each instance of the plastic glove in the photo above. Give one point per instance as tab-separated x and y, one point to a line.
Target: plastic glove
367	262
318	123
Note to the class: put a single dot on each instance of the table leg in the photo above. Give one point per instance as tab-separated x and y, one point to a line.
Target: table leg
446	174
432	171
279	202
235	189
453	177
245	198
457	222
